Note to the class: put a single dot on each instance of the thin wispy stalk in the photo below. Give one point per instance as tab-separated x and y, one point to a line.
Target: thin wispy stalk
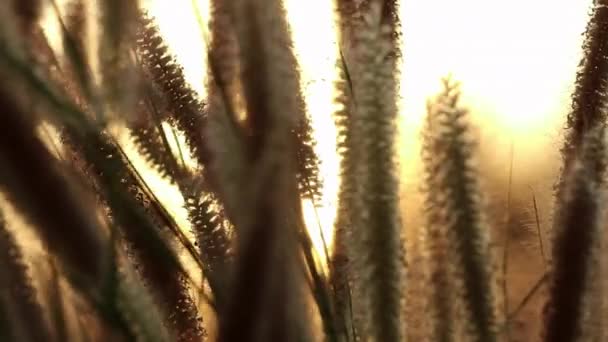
99	152
529	295
539	231
457	210
574	308
321	290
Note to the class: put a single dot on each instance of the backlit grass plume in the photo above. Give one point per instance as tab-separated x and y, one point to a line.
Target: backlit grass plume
182	102
589	97
458	233
575	310
375	216
436	235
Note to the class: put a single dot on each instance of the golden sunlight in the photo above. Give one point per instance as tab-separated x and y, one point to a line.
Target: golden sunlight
516	61
516	58
110	183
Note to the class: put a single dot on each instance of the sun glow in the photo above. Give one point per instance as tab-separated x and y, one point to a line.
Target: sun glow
316	51
512	57
516	61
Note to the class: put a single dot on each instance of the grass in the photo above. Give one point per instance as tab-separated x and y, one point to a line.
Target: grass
123	269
